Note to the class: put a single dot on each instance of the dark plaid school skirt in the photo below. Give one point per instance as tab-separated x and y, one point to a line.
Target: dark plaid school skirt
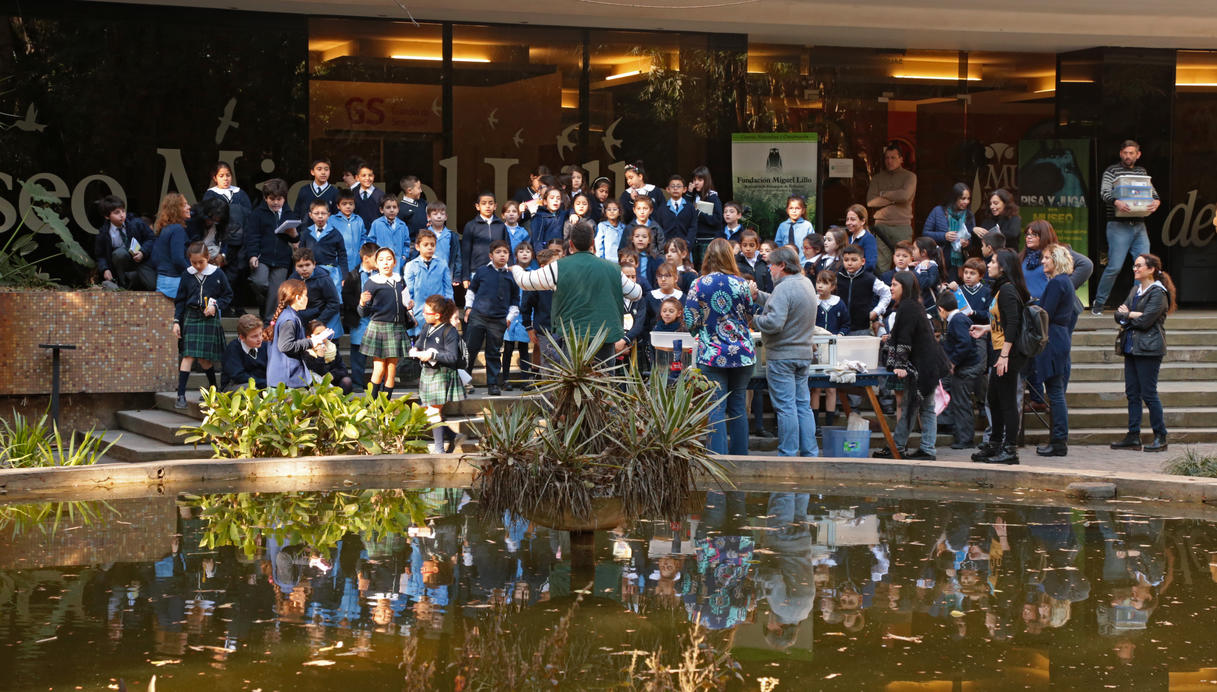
384	340
438	386
202	337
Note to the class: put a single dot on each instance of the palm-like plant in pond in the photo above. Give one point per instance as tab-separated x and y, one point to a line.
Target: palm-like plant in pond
598	433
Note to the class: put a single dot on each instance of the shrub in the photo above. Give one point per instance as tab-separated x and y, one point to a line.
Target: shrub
26	444
1192	463
318	421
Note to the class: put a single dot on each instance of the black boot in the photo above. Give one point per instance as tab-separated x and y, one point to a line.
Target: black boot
1008	454
1158	445
1131	441
986	450
1053	448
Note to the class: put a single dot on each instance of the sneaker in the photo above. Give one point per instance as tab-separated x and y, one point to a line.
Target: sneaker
180	403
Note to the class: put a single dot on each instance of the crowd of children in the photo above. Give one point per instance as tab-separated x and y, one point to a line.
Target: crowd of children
386	270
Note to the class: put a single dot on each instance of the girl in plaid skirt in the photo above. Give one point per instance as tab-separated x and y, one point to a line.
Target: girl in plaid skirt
386	302
203	294
441	350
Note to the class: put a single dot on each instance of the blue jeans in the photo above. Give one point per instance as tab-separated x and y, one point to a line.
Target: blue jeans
729	417
1055	387
929	423
792	404
1123	238
1141	385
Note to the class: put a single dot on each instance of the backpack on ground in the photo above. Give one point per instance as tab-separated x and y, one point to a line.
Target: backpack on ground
1033	337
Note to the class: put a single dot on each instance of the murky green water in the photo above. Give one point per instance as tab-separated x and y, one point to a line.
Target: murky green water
329	592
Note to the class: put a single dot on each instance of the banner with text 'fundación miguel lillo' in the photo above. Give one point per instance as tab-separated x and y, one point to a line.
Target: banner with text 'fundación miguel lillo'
1052	186
769	167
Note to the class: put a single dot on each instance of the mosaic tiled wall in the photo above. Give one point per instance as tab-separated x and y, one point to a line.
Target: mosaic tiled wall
126	531
124	341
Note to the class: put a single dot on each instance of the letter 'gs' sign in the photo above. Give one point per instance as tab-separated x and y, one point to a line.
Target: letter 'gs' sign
1186	226
365	111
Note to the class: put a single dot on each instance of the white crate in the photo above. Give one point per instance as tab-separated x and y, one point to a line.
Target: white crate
860	348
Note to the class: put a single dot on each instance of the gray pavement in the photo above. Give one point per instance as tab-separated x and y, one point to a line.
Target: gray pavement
1091	457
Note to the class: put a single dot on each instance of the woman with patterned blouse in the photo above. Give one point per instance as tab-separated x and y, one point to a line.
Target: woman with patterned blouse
716	313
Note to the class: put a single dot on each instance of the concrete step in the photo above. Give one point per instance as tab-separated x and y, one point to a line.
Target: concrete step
131	447
156	424
1180	321
478	404
1171	372
1117	419
1174	337
1111	394
1174	354
165	400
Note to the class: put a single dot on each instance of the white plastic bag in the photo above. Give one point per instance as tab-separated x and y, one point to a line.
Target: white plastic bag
941	400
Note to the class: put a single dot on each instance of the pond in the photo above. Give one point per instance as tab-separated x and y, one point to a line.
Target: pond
394	589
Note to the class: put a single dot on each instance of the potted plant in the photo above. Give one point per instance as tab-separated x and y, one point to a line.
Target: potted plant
603	447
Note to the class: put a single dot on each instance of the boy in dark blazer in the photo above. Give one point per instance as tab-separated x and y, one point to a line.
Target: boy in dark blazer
244	357
493	299
320	188
119	260
968	365
368	196
677	214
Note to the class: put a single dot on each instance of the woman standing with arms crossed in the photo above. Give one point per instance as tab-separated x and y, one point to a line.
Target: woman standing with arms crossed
1006	322
716	313
1142	342
1053	365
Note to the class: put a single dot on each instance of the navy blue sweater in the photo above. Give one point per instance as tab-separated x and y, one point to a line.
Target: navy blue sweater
192	295
414	213
979	298
957	342
306	196
475	243
239	367
494	291
546	226
329	249
169	250
386	304
534	309
681	224
369	209
323	303
262	242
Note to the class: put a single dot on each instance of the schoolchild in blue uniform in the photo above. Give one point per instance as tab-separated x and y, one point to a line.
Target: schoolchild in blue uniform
637	321
328	246
323	301
676	251
644	209
975	291
351	227
516	233
202	295
391	232
832	314
244	357
677	215
239	209
414	208
796	225
494	300
710	225
548	222
478	235
447	242
319	188
352	322
516	336
637	187
610	232
269	254
667	276
123	249
169	250
366	195
384	300
535	308
426	276
288	341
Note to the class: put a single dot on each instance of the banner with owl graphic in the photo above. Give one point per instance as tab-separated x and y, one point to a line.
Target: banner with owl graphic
769	167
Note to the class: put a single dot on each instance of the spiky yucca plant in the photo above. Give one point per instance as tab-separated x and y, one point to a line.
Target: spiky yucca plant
601	432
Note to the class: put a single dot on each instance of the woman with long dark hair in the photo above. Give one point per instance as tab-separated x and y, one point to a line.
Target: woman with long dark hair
948	224
1006	322
1142	343
1003	218
709	224
1053	365
915	357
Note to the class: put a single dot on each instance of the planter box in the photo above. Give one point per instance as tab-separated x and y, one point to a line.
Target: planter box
124	341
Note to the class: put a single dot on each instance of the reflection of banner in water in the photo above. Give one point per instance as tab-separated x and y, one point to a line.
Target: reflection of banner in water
1052	186
767	168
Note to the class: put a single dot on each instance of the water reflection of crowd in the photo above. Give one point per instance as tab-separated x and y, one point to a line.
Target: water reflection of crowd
773	571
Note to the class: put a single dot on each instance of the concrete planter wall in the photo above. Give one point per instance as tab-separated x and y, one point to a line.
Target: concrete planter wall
124	341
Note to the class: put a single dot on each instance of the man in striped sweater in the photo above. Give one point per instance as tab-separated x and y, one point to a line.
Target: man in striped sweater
1125	236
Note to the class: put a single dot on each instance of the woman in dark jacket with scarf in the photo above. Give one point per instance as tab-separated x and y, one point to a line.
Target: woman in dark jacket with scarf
1142	342
1006	322
1053	365
916	357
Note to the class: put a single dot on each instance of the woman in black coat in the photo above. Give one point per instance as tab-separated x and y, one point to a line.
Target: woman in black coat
1142	342
915	356
1006	322
1003	219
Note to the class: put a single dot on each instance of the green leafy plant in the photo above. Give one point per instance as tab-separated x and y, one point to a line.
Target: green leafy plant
318	421
319	519
1192	463
30	444
18	266
598	434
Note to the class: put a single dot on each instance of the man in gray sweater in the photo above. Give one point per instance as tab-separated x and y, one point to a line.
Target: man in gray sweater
788	323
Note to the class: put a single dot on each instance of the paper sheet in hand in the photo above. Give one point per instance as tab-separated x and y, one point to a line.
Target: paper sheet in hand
290	223
705	207
134	247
